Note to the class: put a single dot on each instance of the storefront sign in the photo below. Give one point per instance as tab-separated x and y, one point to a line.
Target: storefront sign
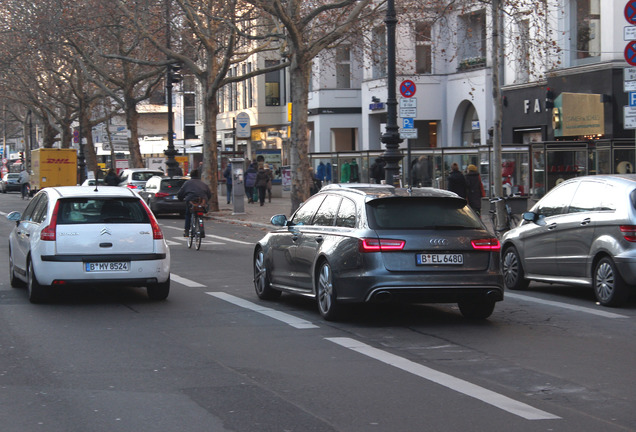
581	114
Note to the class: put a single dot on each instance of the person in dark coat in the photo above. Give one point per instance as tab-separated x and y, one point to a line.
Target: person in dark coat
457	181
377	171
262	178
111	178
191	190
250	181
474	188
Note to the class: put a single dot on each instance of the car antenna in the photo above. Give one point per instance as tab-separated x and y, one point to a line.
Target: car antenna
96	179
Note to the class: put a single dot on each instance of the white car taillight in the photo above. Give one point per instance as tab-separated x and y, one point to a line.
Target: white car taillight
48	233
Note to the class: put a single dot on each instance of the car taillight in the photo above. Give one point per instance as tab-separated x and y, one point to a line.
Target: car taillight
161	194
380	245
157	234
629	232
131	186
491	244
48	233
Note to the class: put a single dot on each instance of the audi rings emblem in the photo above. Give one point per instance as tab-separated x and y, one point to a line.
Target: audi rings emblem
438	242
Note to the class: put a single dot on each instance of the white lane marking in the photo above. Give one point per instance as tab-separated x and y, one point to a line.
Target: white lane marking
495	399
229	239
280	316
209	242
172	243
602	313
184	281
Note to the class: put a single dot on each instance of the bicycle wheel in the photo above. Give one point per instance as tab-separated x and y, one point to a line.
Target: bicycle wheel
193	224
197	235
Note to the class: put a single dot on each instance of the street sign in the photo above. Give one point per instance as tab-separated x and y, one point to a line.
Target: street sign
630	12
629	117
630	53
408	133
408	112
629	33
632	99
408	123
243	129
407	88
409	103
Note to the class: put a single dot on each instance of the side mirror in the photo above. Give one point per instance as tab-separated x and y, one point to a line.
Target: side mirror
279	220
530	216
14	216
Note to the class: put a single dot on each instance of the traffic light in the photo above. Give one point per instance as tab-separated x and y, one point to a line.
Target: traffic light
22	156
174	73
549	99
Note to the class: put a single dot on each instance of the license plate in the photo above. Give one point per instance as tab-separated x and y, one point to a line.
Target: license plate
439	259
107	266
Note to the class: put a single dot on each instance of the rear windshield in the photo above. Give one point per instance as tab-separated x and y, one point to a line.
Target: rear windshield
172	184
101	210
421	213
145	175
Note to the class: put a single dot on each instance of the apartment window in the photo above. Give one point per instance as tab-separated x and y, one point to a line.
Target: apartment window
272	85
343	67
423	48
250	101
379	56
523	62
586	29
235	95
244	87
472	40
471	127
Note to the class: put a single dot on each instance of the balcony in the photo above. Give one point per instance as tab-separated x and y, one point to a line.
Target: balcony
472	63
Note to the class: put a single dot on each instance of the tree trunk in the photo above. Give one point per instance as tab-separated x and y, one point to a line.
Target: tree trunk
299	146
496	94
210	156
132	117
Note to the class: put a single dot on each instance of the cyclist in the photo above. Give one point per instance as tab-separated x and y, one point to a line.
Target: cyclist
191	190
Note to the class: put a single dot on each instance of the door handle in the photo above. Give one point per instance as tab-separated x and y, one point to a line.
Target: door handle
552	226
294	238
586	221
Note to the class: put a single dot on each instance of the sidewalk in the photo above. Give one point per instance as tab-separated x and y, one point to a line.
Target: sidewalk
254	215
258	216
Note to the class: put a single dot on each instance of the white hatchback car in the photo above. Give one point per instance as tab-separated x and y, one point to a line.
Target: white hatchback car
75	235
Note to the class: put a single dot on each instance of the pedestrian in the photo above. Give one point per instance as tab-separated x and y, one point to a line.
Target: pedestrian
250	182
111	178
261	183
316	183
475	188
270	177
228	181
457	181
377	171
24	182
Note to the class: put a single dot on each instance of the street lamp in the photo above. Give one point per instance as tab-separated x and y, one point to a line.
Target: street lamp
391	137
170	152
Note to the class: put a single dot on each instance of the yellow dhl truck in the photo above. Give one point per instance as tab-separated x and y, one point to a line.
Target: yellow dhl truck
53	167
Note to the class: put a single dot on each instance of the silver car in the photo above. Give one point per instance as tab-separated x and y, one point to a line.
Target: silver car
583	232
373	243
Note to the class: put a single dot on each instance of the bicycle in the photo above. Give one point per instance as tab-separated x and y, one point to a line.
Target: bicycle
511	220
198	208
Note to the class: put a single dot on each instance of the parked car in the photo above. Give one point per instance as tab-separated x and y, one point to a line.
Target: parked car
136	178
91	182
74	235
10	182
363	243
583	233
160	193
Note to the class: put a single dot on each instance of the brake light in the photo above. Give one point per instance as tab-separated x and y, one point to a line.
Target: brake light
48	233
380	245
629	232
157	234
131	186
491	244
161	194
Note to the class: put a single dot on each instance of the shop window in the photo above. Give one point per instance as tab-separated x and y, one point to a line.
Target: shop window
272	85
423	48
586	30
623	161
470	128
472	40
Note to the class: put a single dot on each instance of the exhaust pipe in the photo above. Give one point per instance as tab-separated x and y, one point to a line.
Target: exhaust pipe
494	295
383	297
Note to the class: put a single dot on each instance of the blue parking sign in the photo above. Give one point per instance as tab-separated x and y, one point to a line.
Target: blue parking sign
408	123
632	99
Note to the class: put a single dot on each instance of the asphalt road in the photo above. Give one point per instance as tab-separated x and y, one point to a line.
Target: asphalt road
215	358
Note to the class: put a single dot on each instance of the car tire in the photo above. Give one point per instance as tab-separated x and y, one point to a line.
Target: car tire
262	284
159	291
326	295
476	308
512	269
36	293
13	279
609	287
